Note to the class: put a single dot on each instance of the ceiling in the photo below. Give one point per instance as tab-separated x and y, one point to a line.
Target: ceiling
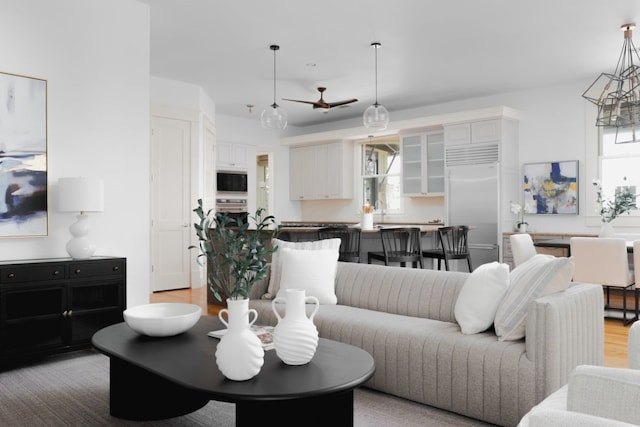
432	51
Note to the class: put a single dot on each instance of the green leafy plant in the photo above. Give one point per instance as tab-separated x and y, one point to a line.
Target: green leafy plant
236	255
609	209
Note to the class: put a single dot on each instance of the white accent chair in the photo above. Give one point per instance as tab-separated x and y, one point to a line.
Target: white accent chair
522	248
605	261
596	396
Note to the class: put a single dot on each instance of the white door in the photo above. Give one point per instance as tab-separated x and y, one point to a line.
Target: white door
171	210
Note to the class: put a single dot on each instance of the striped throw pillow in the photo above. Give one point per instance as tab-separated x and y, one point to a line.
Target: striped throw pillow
538	276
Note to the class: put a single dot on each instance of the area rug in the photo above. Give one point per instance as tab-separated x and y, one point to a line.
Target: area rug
72	389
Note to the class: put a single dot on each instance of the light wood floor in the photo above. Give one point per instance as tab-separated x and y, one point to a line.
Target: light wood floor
615	334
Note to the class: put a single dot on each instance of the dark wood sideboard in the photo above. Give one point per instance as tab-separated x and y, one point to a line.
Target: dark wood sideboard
57	304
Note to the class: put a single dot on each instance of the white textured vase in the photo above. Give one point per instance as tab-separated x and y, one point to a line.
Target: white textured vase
606	230
295	337
239	355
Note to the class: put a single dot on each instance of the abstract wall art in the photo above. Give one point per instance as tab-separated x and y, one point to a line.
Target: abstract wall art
23	156
551	188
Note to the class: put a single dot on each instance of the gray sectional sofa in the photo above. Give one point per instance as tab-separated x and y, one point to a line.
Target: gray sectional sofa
405	319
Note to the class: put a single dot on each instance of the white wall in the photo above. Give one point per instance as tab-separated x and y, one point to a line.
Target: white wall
95	57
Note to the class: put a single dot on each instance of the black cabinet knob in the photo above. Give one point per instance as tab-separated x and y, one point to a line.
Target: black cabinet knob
11	275
77	271
55	273
116	268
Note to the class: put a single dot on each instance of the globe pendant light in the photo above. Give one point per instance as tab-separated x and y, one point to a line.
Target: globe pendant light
274	117
376	117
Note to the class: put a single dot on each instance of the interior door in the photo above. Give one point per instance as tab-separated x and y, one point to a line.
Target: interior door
171	228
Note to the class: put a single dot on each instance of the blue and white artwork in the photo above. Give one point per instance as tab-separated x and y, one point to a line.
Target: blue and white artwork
23	156
551	188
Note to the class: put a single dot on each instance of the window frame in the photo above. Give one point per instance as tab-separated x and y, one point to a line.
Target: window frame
593	170
389	139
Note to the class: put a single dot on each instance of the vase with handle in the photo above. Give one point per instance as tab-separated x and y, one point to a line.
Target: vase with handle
239	355
295	337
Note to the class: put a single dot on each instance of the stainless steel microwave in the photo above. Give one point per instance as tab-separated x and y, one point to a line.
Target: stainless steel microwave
231	181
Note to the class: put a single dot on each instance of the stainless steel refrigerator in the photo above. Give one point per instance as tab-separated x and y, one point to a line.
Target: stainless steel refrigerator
472	198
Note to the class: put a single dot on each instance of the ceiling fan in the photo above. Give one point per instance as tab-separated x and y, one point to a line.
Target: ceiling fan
321	103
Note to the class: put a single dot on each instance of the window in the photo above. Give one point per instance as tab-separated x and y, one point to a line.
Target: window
381	174
618	164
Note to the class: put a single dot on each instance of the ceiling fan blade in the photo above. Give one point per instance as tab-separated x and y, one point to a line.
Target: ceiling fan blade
339	103
298	100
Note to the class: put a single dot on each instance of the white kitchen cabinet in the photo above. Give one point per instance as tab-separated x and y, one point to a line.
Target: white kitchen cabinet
423	164
232	156
457	134
300	176
323	171
486	131
473	132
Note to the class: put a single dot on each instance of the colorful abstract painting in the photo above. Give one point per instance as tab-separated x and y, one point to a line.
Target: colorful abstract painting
551	188
23	156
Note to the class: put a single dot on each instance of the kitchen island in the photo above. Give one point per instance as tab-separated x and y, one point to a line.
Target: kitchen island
302	229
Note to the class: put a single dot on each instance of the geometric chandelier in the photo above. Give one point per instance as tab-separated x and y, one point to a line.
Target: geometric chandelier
617	95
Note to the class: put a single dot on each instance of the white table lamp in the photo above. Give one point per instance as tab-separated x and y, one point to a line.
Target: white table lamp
81	195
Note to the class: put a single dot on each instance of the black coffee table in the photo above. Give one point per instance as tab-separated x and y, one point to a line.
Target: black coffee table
156	378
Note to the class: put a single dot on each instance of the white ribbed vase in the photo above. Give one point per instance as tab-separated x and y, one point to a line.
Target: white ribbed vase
239	355
295	337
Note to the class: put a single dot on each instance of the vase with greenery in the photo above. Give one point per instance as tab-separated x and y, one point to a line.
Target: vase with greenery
623	201
235	252
236	255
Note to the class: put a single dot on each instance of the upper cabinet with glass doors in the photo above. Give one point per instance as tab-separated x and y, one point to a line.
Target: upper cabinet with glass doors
423	164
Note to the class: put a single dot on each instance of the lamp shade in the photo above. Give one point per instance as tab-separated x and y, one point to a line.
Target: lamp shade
80	194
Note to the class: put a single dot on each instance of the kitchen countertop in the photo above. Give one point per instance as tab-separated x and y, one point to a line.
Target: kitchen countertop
311	226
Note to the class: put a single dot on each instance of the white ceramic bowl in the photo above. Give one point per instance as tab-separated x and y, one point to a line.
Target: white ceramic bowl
162	319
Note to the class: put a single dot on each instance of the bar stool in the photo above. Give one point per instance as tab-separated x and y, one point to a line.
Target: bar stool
452	244
399	244
350	238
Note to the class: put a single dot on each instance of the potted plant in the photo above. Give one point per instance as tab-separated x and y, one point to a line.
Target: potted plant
236	254
237	258
609	209
518	209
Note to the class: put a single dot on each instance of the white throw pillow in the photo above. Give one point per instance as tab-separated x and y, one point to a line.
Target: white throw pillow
476	306
311	270
276	265
540	275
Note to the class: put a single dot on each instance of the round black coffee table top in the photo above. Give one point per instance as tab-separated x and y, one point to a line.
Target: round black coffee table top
189	360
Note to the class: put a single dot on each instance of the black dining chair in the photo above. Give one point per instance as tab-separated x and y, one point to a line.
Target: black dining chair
399	244
452	244
350	238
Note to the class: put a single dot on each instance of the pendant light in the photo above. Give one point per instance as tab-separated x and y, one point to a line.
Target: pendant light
376	117
617	95
274	117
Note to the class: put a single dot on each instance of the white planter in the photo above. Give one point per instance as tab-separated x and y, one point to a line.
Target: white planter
295	337
239	355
